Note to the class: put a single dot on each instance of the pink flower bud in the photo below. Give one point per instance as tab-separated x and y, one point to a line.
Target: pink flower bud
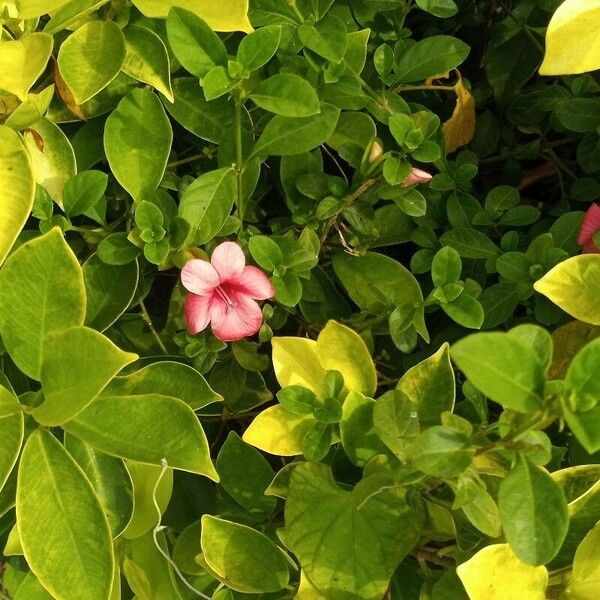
417	176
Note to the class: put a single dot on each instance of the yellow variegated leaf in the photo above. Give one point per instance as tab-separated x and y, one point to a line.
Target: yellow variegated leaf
574	285
459	129
296	363
495	573
225	15
572	41
22	61
278	431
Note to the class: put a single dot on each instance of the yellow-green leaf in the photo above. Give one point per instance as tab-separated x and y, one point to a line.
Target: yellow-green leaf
41	291
296	363
17	188
90	58
147	59
568	340
61	522
22	61
572	42
339	348
495	573
225	15
77	363
585	584
278	431
52	157
31	9
574	285
31	110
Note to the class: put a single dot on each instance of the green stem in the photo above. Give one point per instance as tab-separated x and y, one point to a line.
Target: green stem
185	161
410	88
150	325
239	159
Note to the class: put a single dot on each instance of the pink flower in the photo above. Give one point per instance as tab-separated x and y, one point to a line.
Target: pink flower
590	225
223	293
417	176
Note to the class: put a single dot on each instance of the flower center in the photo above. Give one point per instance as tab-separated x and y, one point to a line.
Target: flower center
225	297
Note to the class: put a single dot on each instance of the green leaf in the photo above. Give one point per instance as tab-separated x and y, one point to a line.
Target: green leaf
17	188
208	120
573	285
245	475
339	348
584	424
167	378
247	560
31	589
465	310
196	46
442	452
431	386
284	136
91	57
375	279
469	243
83	191
258	47
109	291
359	436
327	38
265	252
533	511
30	9
438	8
538	339
352	544
60	521
110	480
77	363
147	60
22	61
116	249
298	400
52	157
295	362
207	202
41	291
494	572
503	368
151	484
430	56
228	15
150	220
395	421
147	429
137	141
482	511
446	267
286	94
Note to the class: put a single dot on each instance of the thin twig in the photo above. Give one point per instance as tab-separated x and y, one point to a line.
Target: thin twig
150	325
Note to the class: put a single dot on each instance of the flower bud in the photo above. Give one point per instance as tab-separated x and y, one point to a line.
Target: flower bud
417	176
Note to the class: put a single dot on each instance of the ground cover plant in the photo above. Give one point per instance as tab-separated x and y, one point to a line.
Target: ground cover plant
299	299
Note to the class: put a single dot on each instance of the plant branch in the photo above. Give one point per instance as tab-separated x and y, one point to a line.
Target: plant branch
150	325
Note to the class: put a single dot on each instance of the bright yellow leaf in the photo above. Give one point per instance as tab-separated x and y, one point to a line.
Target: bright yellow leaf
22	61
574	285
495	573
572	41
459	129
295	362
278	431
224	15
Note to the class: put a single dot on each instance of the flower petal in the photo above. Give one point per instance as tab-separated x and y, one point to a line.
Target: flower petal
254	283
591	224
232	323
417	176
590	248
199	277
229	260
197	312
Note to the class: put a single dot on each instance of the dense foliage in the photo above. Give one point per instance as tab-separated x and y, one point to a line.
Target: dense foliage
312	414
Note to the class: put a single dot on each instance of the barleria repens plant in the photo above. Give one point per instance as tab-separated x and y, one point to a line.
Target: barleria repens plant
246	248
